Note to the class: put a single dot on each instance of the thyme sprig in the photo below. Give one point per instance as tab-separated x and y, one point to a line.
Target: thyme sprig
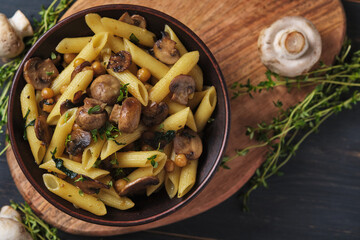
336	89
49	18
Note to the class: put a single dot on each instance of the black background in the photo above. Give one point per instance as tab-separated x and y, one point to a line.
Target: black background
317	198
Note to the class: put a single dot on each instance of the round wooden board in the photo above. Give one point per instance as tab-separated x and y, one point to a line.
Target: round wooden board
230	29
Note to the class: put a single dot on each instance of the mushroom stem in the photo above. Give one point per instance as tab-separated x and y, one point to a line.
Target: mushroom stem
293	43
21	25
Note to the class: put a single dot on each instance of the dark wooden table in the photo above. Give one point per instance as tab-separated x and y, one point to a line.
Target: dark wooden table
317	198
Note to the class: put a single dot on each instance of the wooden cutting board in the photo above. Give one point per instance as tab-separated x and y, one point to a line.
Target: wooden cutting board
230	29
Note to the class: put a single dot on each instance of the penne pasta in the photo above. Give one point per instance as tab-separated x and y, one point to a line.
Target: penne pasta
172	182
72	45
112	199
93	20
205	108
92	153
179	119
138	158
187	177
151	189
71	193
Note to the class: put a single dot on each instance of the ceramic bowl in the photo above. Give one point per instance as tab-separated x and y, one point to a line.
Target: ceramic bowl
158	205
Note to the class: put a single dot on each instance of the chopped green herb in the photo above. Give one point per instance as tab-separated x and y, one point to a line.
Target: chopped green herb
97	163
126	179
59	164
67	139
161	127
32	123
114	161
94	134
94	109
123	93
50	73
119	172
134	39
109	131
210	120
53	56
81	193
66	117
167	136
110	184
81	178
152	161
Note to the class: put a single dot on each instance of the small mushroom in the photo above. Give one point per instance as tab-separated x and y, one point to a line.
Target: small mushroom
79	140
105	88
138	185
77	101
115	114
290	46
40	73
130	115
135	19
189	143
83	66
88	185
43	131
181	87
119	61
164	50
88	118
154	113
12	31
10	226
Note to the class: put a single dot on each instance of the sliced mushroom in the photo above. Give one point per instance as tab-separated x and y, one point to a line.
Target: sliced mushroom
189	143
43	131
181	87
164	50
66	105
88	185
105	88
130	115
290	47
93	120
79	140
115	114
135	19
78	100
138	185
81	67
120	61
154	113
40	73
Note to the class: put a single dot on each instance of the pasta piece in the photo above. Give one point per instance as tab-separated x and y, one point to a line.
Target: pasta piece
126	30
116	44
187	177
140	173
182	66
88	53
72	45
122	140
93	20
76	167
151	189
29	108
80	82
174	107
71	193
178	120
92	152
198	96
63	128
112	199
172	182
145	60
205	109
138	158
196	72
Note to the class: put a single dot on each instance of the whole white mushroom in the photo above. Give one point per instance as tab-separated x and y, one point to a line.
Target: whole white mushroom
12	32
291	46
10	227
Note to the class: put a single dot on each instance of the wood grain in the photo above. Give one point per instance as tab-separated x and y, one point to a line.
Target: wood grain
230	29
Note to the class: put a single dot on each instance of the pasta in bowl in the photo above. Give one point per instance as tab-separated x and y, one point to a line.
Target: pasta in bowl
115	103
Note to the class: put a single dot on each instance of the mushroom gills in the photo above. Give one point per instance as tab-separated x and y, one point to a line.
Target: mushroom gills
165	50
181	87
88	185
188	143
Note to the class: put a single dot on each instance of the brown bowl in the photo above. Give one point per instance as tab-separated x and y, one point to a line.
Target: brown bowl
158	205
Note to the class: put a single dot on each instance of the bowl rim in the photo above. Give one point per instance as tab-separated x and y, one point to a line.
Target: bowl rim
215	65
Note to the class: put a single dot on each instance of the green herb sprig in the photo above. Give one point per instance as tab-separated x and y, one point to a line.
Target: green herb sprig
336	89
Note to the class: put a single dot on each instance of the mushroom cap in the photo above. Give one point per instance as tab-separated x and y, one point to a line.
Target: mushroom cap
138	185
79	68
165	50
94	120
115	114
154	113
129	115
11	44
11	229
119	61
9	212
290	46
79	140
181	87
89	186
135	19
189	143
105	88
43	131
40	73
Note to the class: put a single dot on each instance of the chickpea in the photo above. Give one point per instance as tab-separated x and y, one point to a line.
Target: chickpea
143	74
47	93
146	148
120	184
76	126
69	57
98	68
63	88
180	160
169	166
48	105
78	61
